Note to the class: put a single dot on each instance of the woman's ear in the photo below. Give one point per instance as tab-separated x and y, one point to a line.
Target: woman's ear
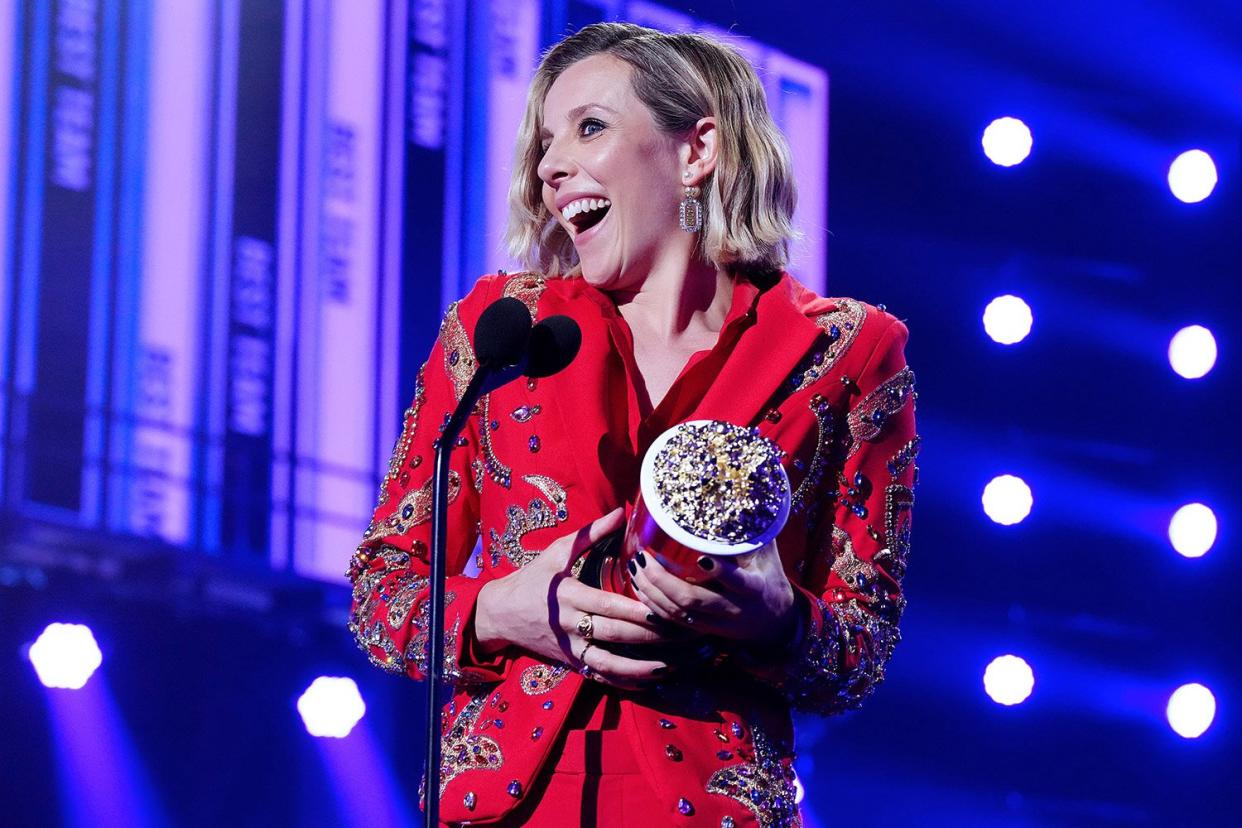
701	152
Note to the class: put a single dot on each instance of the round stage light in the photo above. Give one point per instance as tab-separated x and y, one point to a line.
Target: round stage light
1192	351
1007	500
1192	531
1007	319
1190	711
1008	680
1007	141
1192	176
65	656
331	706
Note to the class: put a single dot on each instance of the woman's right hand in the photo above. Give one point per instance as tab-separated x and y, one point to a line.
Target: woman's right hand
538	608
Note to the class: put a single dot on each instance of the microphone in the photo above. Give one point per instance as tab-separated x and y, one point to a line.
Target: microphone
554	343
507	346
501	337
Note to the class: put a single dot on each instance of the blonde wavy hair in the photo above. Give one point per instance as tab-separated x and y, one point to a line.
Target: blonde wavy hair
748	200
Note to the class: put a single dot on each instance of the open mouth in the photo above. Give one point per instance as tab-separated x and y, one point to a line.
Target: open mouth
586	213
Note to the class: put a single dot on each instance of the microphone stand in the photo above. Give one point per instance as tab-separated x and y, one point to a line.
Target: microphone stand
484	380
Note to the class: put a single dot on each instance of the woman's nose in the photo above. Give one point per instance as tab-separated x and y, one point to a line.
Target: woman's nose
555	165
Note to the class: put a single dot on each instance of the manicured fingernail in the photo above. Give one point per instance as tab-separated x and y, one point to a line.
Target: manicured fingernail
652	618
633	569
642	560
659	671
707	563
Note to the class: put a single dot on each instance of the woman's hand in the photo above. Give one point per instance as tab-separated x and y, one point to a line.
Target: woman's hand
750	601
539	608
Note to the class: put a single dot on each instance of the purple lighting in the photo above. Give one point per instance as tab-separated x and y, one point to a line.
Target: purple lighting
102	779
364	785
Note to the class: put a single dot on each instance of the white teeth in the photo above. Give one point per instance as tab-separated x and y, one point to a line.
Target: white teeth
582	205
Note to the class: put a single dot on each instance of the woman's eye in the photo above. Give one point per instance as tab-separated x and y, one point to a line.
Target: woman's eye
590	127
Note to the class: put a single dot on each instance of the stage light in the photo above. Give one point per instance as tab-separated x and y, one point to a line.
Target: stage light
65	656
1007	141
1192	531
1192	351
1191	709
331	706
1008	680
1007	319
1007	500
1192	176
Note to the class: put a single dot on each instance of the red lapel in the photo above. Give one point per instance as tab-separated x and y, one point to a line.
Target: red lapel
763	358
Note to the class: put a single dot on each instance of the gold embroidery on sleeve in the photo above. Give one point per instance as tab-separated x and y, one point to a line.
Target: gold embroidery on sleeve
866	420
898	503
855	572
906	455
413	509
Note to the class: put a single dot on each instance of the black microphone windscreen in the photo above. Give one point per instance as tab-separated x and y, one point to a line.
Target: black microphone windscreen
503	332
554	343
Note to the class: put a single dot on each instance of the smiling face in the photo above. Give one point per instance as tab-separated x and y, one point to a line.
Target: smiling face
610	176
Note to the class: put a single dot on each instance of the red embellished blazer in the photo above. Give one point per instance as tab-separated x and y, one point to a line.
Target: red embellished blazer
826	379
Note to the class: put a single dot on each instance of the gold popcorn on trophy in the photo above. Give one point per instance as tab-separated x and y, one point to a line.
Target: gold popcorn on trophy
706	488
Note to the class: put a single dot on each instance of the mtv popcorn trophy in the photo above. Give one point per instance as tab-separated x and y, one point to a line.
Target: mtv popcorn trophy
706	488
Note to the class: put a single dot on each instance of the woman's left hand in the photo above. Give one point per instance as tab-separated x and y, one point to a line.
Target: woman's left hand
752	601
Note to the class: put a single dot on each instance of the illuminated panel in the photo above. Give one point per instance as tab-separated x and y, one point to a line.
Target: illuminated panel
246	479
798	98
336	380
10	115
292	158
513	53
163	402
431	210
68	146
219	287
391	395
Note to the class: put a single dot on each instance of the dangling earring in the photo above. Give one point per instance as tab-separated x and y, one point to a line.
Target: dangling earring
690	211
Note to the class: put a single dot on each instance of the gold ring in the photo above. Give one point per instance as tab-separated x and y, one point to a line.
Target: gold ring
585	669
586	627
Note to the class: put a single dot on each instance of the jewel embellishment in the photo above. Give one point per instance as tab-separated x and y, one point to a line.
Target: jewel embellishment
523	413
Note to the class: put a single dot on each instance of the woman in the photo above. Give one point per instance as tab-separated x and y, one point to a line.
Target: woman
651	198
